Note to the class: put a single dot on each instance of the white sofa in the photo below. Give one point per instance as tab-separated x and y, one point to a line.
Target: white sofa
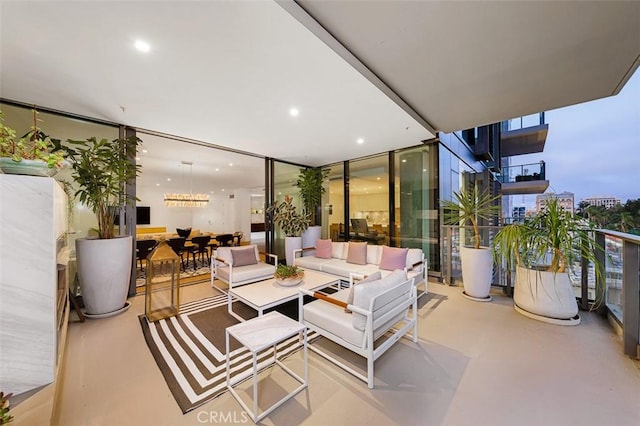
379	307
224	270
415	266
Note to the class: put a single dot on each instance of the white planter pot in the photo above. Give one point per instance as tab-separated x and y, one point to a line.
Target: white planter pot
310	237
546	294
477	271
104	269
291	244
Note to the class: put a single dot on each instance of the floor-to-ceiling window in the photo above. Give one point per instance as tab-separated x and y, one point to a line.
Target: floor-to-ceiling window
416	201
333	203
369	199
285	176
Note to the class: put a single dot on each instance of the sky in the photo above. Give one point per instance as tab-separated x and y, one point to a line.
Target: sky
593	148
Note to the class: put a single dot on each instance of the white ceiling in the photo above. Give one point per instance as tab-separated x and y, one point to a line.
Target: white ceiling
226	73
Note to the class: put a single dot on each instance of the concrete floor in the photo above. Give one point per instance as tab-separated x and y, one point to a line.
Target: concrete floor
475	364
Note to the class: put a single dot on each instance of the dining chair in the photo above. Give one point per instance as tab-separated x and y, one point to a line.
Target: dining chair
224	239
201	248
143	248
237	236
177	244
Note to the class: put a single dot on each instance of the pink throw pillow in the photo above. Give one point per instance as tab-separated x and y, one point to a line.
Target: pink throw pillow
244	256
393	258
357	253
323	249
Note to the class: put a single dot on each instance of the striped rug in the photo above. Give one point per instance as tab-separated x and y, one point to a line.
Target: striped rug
190	350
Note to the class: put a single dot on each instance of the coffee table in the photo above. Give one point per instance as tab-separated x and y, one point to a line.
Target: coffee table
266	294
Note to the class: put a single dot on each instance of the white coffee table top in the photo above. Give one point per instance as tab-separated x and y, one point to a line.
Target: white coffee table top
261	332
270	293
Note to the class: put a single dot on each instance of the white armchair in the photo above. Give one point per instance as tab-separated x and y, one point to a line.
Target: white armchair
237	266
378	306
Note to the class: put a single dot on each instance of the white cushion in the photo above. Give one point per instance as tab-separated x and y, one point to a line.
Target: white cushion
333	319
252	272
336	250
311	262
374	254
414	255
362	295
345	251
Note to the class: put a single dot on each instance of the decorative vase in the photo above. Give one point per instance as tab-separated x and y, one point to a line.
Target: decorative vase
291	244
309	238
545	294
477	272
289	282
104	269
26	167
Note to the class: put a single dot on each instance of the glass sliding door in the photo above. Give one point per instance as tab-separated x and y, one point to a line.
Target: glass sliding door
416	202
285	176
369	200
333	203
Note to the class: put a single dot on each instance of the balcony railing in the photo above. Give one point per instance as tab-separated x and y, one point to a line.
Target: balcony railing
522	173
523	122
618	296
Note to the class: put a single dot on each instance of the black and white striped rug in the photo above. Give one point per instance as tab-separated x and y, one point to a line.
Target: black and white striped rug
190	350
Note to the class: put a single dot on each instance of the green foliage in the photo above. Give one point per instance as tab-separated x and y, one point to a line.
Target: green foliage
563	235
623	218
35	145
5	417
470	206
310	182
288	271
288	219
101	169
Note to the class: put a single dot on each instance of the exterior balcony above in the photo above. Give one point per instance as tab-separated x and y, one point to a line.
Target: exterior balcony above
524	135
523	179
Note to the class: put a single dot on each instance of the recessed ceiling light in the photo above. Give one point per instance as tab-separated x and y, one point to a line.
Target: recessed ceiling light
142	46
137	158
378	178
157	184
360	141
217	169
424	170
168	179
230	164
404	161
222	189
294	112
144	151
212	192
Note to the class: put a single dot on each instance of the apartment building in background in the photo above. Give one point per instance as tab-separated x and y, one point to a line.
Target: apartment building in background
565	199
604	201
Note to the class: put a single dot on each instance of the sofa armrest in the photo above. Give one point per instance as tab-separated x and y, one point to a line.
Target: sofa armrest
355	276
301	251
329	299
219	260
273	256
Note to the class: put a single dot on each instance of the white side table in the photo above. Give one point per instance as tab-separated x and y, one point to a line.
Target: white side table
258	334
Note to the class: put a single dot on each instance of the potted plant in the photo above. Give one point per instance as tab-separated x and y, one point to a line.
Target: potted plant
5	406
310	182
292	223
34	154
101	168
288	275
477	262
542	250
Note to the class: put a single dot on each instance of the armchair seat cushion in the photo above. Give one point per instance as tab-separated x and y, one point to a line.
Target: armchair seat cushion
248	272
334	319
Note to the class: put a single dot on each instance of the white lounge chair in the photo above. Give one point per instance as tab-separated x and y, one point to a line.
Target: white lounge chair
238	272
377	308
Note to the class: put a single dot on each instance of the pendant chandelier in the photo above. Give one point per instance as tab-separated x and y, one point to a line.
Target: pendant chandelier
186	199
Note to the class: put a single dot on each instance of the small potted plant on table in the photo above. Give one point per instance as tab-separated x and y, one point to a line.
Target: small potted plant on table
288	275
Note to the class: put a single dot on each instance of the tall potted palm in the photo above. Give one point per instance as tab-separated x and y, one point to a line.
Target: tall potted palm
101	168
310	183
292	223
542	249
477	263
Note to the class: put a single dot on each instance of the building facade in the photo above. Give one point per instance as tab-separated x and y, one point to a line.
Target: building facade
604	201
565	199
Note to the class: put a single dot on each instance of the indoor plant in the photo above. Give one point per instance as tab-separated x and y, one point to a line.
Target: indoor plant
292	223
5	406
310	182
542	249
288	274
101	168
33	154
477	264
